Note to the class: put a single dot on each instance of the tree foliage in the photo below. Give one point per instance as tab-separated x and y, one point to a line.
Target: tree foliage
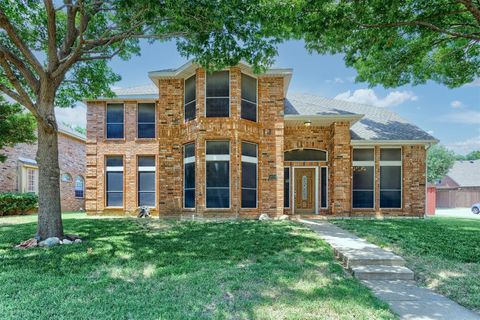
439	161
473	155
16	125
393	43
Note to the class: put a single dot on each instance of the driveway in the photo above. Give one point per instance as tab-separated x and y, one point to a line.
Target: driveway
456	213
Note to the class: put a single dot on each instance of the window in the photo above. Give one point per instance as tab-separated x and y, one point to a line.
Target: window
190	98
115	121
363	178
66	177
218	174
146	181
114	176
305	155
189	175
286	187
79	187
324	188
249	98
146	120
249	175
217	102
390	178
32	180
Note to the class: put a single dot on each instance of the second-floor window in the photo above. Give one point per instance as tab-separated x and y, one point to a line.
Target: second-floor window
217	102
114	121
190	98
249	98
146	120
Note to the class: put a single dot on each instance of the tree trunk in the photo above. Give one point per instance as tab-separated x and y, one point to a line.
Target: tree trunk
49	208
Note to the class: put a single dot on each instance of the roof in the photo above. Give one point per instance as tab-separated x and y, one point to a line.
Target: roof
148	91
377	123
70	132
466	173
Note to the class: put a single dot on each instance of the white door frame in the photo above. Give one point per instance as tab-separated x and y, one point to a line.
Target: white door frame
316	186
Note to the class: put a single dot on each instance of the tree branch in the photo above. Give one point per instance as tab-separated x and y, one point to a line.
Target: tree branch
52	35
472	8
22	68
21	96
10	29
71	32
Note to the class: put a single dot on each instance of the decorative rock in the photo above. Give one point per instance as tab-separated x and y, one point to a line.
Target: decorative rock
66	241
72	237
50	242
78	241
264	217
284	217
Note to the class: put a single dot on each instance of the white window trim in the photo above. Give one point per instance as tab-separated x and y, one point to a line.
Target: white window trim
221	158
316	187
326	185
394	163
146	169
370	163
229	94
194	101
187	161
256	103
254	160
117	169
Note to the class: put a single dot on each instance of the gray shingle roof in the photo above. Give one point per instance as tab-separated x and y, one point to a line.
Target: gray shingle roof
466	173
377	124
149	91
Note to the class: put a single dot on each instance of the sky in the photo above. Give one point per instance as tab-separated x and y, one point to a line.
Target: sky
450	115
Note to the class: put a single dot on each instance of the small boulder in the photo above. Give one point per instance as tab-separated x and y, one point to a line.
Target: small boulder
264	217
283	217
51	242
66	241
72	237
78	241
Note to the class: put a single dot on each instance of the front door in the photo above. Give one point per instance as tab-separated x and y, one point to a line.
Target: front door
304	193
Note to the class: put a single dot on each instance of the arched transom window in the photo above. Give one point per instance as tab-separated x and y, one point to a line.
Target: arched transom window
305	155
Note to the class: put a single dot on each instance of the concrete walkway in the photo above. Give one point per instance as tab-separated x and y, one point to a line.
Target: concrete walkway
388	278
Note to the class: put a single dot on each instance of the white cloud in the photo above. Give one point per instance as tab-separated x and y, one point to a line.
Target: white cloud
339	80
456	104
76	116
465	117
368	96
474	83
465	146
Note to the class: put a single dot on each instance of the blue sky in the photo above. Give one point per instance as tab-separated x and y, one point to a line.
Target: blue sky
451	115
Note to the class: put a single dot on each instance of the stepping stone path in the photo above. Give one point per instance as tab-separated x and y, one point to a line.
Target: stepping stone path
386	275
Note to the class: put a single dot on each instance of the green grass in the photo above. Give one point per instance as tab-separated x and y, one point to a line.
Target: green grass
443	252
137	269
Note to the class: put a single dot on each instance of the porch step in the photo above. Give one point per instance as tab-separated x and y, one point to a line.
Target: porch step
376	272
367	257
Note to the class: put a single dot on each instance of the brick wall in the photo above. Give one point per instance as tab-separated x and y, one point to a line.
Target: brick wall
71	160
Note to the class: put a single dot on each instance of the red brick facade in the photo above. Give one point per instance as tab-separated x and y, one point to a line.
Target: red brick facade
272	133
71	161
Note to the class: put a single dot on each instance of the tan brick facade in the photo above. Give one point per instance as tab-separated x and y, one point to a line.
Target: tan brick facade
271	133
71	160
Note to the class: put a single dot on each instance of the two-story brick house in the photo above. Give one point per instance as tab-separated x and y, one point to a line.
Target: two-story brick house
234	144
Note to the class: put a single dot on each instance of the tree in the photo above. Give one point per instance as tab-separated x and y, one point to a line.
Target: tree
16	125
392	43
54	53
474	155
439	161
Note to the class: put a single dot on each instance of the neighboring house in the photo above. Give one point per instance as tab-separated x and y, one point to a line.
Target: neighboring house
19	173
234	144
460	188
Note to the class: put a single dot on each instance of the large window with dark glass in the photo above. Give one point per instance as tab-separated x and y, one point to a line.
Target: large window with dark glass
286	187
363	178
391	178
114	181
249	175
323	187
146	120
146	181
189	175
190	98
114	121
249	98
217	101
218	174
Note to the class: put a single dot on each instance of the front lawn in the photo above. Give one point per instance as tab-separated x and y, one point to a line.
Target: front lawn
443	252
131	269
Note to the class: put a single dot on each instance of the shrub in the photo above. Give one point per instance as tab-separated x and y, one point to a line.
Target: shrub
17	203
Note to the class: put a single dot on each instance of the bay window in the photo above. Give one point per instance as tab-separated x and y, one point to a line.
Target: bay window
363	178
146	120
218	174
146	181
249	98
189	175
114	181
249	175
190	98
114	121
217	101
390	178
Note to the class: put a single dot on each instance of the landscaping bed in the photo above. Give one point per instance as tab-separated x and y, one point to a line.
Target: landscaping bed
151	269
444	253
